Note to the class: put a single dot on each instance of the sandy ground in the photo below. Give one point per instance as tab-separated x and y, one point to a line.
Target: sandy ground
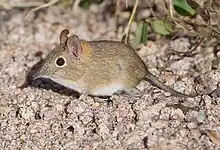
44	115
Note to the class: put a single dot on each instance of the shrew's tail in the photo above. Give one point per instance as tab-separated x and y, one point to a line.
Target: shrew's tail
154	81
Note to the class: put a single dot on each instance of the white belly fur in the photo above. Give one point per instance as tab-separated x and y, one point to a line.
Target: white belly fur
108	90
69	84
102	91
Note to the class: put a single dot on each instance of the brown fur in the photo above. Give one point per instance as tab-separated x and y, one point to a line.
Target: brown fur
97	65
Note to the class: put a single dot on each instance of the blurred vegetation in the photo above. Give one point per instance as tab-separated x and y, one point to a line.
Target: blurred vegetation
198	18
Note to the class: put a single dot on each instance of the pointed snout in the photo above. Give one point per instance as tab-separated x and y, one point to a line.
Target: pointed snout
40	73
36	75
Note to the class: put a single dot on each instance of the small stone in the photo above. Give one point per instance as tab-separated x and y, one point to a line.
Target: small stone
201	117
27	113
59	107
192	125
178	114
4	109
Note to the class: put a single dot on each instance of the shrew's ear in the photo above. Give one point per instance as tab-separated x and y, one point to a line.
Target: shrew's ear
73	46
63	36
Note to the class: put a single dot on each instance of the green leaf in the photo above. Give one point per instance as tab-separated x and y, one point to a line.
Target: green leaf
161	26
141	35
182	8
144	34
85	4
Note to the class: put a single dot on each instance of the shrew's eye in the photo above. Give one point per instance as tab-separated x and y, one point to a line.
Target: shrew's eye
60	62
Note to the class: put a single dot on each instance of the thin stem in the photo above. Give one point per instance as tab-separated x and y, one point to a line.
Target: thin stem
127	30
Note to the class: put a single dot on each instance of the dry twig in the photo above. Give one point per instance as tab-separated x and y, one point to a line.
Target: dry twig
52	2
7	5
127	30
